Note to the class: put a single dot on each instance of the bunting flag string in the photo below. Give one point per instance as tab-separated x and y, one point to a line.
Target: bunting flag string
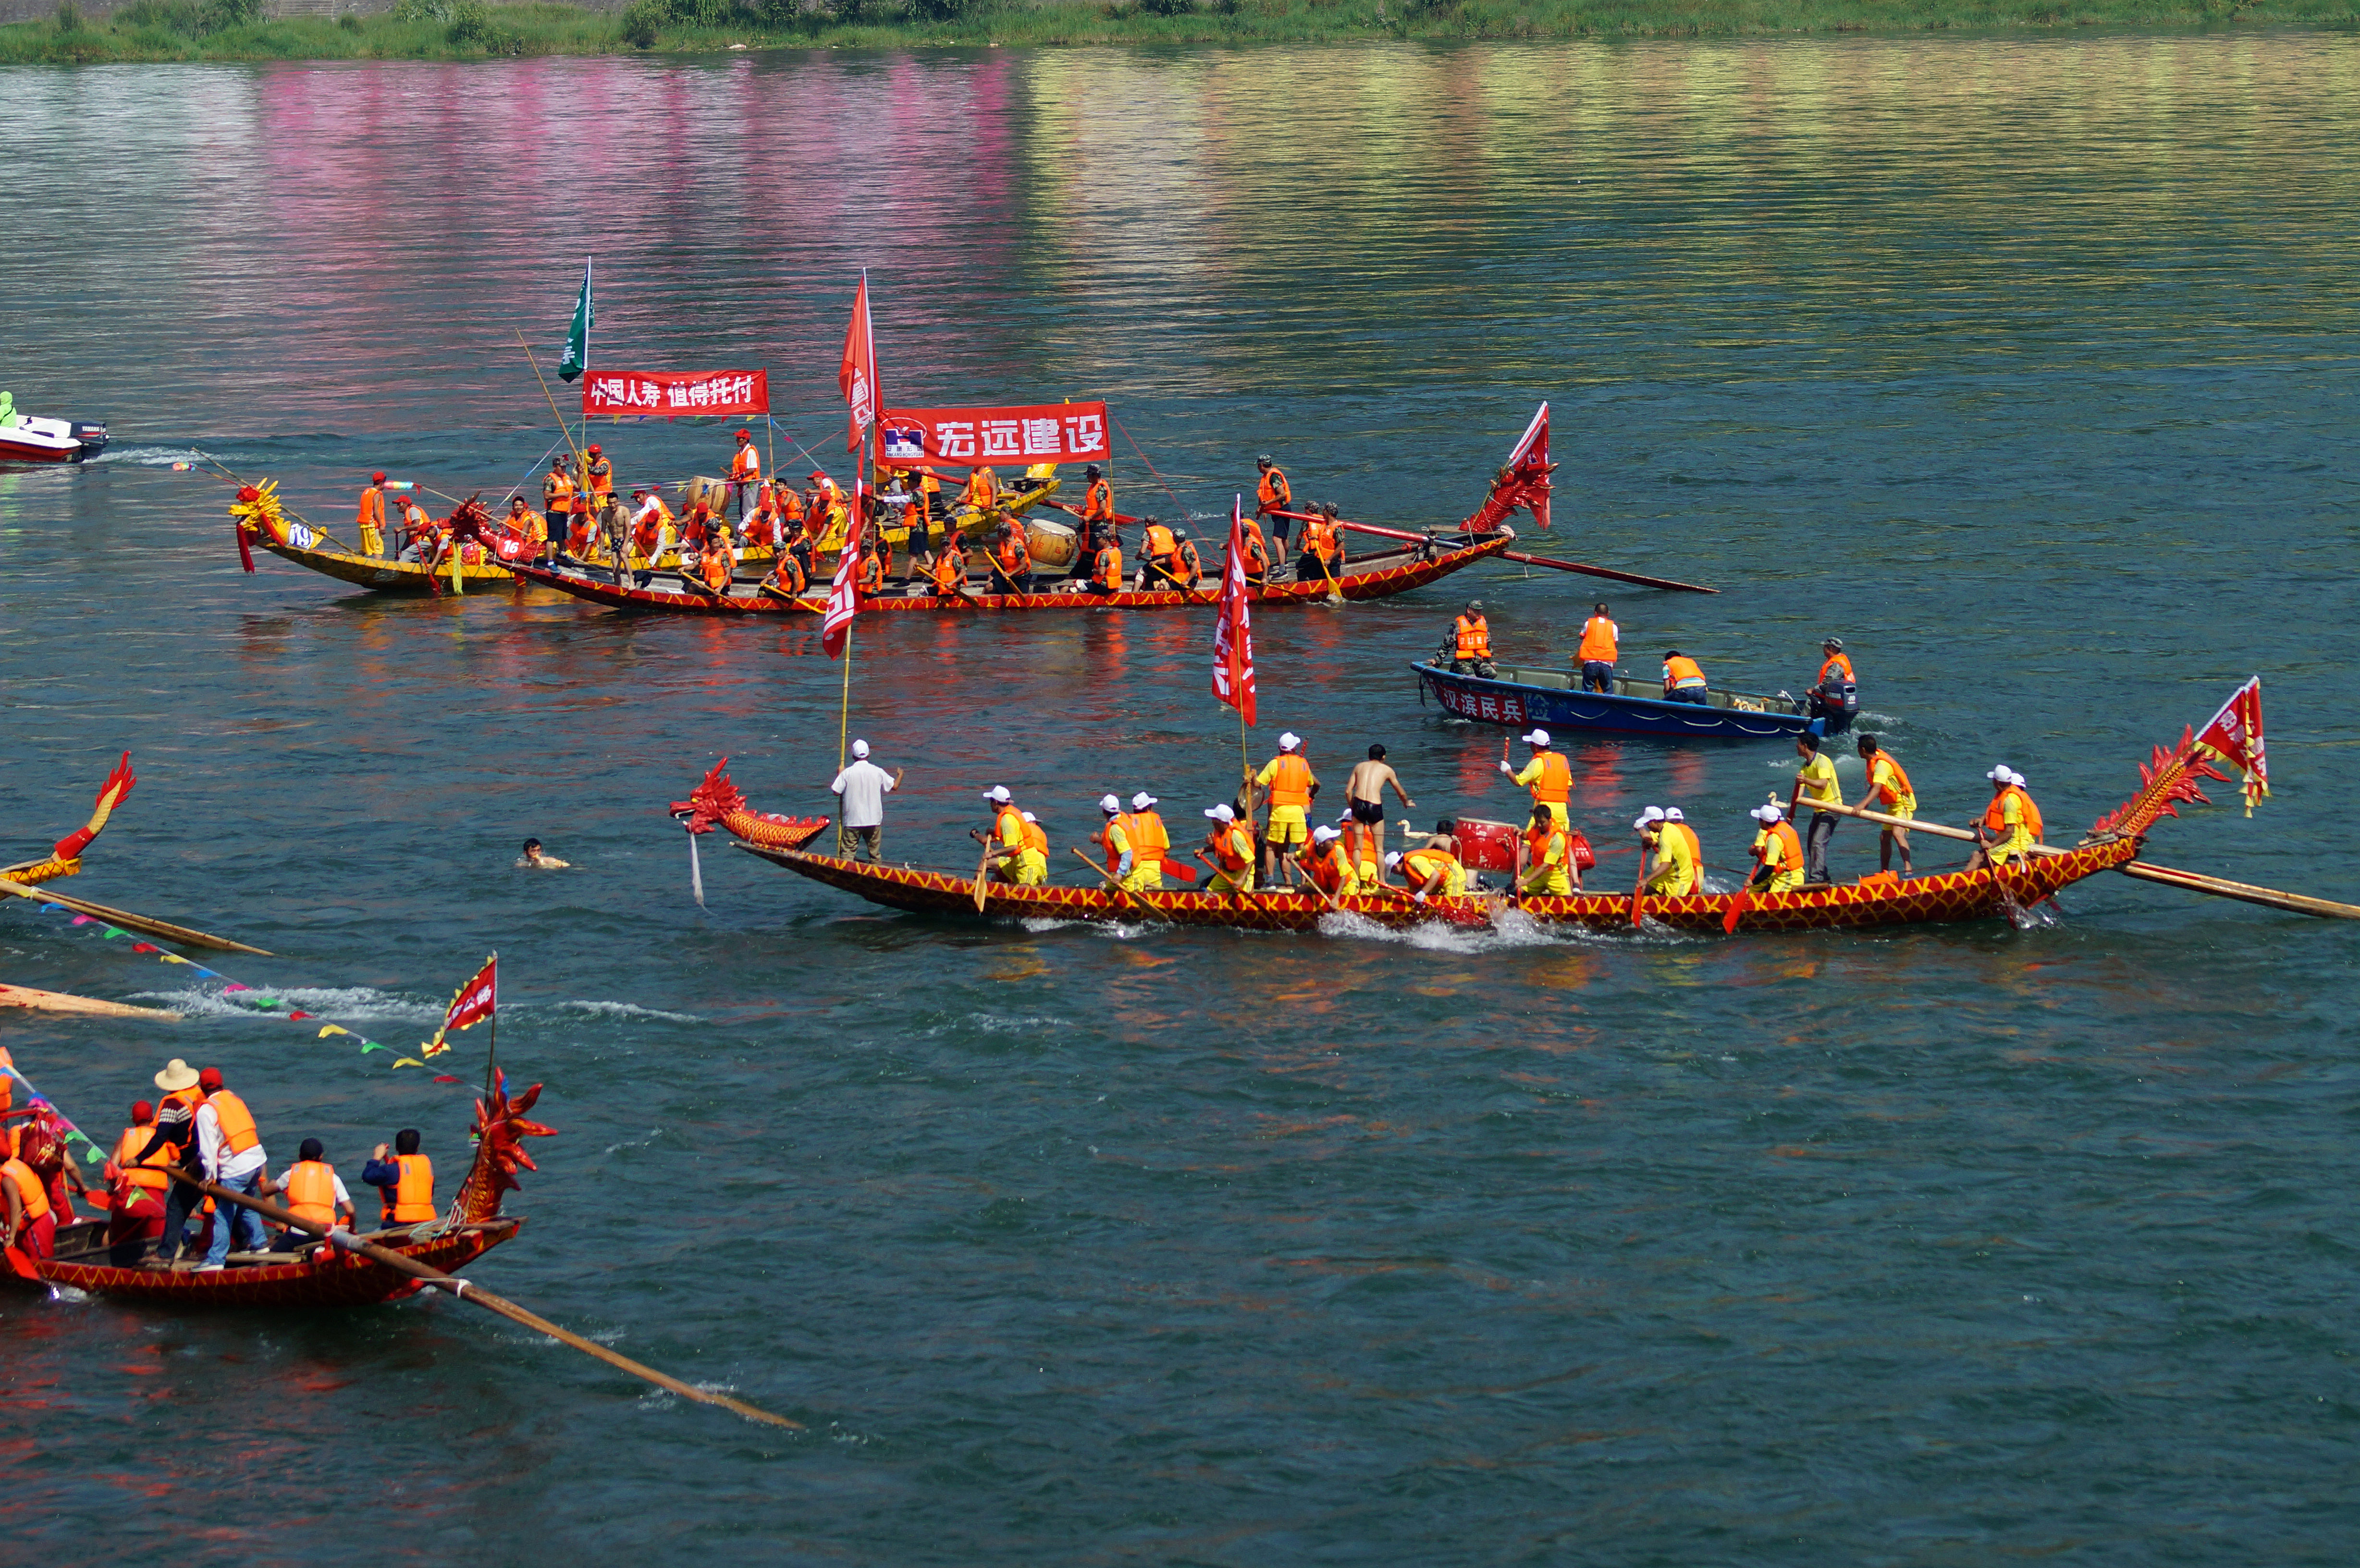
238	994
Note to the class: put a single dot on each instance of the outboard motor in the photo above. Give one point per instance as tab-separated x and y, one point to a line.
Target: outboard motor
91	434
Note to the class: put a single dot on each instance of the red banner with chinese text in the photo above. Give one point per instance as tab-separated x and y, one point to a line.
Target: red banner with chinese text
967	438
668	395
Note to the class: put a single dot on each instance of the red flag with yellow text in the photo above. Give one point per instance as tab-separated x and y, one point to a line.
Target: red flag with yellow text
1233	671
2235	736
858	375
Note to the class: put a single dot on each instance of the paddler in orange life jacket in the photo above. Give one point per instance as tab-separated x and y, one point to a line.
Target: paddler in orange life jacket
950	567
136	1216
870	580
1545	858
1599	648
1323	546
1098	509
745	470
1432	867
2009	826
1329	865
371	520
1683	677
522	522
1012	857
1777	851
1548	775
405	1183
1231	846
1291	785
32	1223
1190	568
1124	858
1106	567
981	490
1158	551
1470	642
1012	557
1271	496
1675	869
230	1148
313	1192
1889	791
1257	553
1151	844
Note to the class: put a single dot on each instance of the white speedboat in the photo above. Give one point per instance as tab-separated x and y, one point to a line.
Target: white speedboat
26	439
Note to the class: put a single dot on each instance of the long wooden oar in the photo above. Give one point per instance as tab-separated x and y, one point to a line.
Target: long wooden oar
1116	883
465	1291
162	930
1582	567
61	1002
2245	892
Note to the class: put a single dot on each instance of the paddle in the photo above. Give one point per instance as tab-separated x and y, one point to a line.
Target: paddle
2245	892
163	930
461	1290
1581	567
61	1002
21	1265
1639	886
1116	883
978	871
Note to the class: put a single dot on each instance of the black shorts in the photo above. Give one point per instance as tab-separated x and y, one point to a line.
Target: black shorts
1368	811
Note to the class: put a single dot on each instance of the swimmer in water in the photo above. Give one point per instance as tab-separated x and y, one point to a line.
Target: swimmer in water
533	859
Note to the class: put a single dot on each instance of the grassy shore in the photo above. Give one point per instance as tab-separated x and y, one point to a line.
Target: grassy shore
465	29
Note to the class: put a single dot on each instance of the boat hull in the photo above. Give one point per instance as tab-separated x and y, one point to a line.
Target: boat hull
1506	701
384	576
34	440
1947	897
326	1279
1379	577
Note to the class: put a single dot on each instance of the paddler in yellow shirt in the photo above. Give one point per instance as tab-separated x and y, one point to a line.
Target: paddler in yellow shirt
1329	867
1778	849
1545	858
1549	776
1011	856
1433	867
1150	846
1888	792
2011	821
1231	846
1676	870
1291	783
1814	780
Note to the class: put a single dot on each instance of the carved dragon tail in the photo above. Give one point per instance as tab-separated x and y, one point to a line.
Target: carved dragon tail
65	856
2168	779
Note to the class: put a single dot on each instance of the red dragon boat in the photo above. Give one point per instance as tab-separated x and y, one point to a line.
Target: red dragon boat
2115	841
1376	576
321	1275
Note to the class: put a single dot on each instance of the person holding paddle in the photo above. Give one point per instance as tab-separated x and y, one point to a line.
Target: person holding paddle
1888	792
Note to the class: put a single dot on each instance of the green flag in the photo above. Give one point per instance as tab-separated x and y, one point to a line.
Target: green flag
576	357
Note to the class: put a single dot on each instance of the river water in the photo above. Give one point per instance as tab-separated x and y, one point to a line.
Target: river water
2025	365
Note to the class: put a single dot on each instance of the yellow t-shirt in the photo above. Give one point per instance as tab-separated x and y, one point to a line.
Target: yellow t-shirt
2014	840
1819	777
1548	875
1884	786
1783	879
1674	866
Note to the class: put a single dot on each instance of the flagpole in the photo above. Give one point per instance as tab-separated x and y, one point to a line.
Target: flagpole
493	1021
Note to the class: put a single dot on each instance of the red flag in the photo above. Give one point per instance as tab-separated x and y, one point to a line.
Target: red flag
843	594
470	1005
1233	672
2235	736
858	375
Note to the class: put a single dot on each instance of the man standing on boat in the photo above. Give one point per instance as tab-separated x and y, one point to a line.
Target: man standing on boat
1834	695
1364	792
1272	499
556	502
1098	510
230	1147
1599	645
1548	775
1888	792
371	521
863	787
1291	784
1815	780
175	1140
745	471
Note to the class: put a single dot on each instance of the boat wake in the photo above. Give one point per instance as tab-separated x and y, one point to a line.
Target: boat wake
150	456
329	1004
626	1010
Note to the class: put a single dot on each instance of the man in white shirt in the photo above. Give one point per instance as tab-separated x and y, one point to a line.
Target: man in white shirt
224	1123
864	787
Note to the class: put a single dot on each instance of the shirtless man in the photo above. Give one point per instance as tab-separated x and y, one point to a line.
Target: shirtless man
1364	792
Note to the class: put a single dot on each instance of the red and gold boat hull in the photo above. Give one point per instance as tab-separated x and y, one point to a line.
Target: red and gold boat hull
326	1279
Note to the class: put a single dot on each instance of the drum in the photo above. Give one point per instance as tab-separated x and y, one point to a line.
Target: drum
714	492
1055	547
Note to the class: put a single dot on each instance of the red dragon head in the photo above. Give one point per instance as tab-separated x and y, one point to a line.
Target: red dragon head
710	802
500	1125
2169	778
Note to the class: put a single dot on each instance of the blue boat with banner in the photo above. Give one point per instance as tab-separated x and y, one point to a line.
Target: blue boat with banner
1553	698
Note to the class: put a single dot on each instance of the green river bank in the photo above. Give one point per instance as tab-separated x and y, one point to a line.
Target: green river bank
462	29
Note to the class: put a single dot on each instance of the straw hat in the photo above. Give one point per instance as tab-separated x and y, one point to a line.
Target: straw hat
177	1075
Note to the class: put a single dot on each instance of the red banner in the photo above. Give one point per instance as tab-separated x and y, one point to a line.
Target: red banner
967	438
470	1005
1234	669
2235	736
667	395
858	375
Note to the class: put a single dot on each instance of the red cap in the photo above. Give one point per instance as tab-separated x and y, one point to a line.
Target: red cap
745	435
142	1113
376	478
209	1080
594	449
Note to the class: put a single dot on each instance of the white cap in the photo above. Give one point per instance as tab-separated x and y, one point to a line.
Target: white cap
860	748
1392	860
1142	800
1031	818
1538	738
1999	773
1323	833
1220	814
999	794
1766	813
1289	741
1672	814
2016	779
1109	805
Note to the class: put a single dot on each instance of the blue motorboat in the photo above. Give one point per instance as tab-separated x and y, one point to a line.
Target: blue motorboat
1553	698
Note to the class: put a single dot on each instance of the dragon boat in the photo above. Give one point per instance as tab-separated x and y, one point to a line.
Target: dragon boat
321	1275
261	518
2114	841
1376	576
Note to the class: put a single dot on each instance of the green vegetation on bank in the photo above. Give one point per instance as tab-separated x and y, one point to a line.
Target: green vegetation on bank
467	29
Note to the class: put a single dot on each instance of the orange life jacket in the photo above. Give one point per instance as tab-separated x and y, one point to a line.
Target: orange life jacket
790	572
237	1121
1422	864
148	1172
1291	785
557	491
790	504
602	477
983	490
1474	637
411	1199
1108	574
1257	554
1836	661
1328	864
1122	821
1890	791
31	1191
1319	537
1272	490
717	568
1013	556
1555	784
1001	828
1681	672
1537	845
1036	838
1790	846
950	569
1148	839
1233	848
1598	639
1696	857
1361	842
1159	544
372	514
1098	506
311	1191
745	463
872	574
1189	567
1996	814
